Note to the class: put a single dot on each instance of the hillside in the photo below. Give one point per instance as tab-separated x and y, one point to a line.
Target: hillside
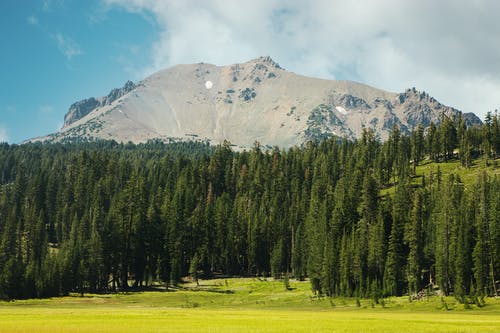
106	217
428	169
243	103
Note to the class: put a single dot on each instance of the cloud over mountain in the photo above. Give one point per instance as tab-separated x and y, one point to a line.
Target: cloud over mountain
450	48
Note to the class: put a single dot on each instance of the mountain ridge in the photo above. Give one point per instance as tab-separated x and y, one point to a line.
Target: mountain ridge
253	101
83	107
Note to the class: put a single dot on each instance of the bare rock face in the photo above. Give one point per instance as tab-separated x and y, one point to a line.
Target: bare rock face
244	103
420	108
82	108
79	110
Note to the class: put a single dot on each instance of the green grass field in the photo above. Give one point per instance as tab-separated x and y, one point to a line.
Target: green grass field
243	305
468	176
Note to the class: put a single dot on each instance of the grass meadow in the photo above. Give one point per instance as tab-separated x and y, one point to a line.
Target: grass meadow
468	176
244	305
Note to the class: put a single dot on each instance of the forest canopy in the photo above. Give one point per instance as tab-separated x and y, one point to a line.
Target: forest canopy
100	217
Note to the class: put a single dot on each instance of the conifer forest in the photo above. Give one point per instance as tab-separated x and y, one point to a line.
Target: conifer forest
349	216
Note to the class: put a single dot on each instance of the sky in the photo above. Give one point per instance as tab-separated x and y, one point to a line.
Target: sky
56	52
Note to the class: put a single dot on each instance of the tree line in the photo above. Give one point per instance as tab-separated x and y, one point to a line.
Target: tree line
101	217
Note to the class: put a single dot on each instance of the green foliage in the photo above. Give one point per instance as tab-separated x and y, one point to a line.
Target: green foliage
352	216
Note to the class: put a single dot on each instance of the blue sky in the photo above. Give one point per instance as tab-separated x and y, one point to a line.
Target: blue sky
55	52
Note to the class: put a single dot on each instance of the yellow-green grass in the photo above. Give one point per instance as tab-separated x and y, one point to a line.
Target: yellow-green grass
243	305
468	176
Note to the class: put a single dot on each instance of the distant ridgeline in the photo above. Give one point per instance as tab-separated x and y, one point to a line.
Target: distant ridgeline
349	215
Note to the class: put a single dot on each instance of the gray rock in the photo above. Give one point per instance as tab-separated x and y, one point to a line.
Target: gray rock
82	108
262	102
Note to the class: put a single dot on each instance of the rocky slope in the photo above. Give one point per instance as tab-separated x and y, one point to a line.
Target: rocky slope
243	103
82	108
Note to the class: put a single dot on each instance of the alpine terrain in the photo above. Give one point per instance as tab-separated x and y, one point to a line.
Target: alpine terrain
244	103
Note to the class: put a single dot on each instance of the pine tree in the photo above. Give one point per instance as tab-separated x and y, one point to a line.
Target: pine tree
345	284
276	260
328	279
495	133
481	252
414	237
298	255
11	266
316	227
464	143
448	137
193	268
376	254
447	218
463	254
433	143
97	277
394	265
494	228
417	146
368	210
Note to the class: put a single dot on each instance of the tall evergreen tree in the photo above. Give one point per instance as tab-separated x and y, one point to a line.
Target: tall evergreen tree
396	251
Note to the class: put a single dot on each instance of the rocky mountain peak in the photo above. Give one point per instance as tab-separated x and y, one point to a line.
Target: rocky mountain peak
267	60
79	110
117	93
82	108
253	101
421	108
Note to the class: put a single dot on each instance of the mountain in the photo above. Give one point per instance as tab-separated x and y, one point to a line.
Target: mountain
243	103
82	108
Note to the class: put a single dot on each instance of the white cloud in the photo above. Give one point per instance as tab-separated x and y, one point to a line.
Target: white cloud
449	48
46	5
49	5
67	46
4	137
46	109
32	20
11	109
